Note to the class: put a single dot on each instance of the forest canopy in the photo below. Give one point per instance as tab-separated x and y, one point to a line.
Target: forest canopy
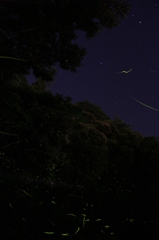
111	170
41	33
67	169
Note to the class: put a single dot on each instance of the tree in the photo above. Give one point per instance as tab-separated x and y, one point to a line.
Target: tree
46	138
43	32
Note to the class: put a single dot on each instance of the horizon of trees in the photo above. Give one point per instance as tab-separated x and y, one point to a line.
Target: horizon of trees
110	172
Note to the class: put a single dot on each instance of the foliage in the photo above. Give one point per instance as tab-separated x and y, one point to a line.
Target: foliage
43	33
59	158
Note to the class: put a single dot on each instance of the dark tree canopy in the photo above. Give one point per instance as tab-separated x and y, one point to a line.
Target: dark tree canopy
41	32
45	139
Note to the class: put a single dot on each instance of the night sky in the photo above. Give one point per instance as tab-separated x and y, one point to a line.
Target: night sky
134	44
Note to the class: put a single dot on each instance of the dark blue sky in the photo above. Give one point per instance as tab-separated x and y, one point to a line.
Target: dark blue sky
134	44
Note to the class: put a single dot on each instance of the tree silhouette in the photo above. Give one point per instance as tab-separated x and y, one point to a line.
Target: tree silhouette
42	32
44	139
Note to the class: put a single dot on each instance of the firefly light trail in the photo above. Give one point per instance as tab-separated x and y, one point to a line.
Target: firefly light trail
144	104
18	59
125	71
